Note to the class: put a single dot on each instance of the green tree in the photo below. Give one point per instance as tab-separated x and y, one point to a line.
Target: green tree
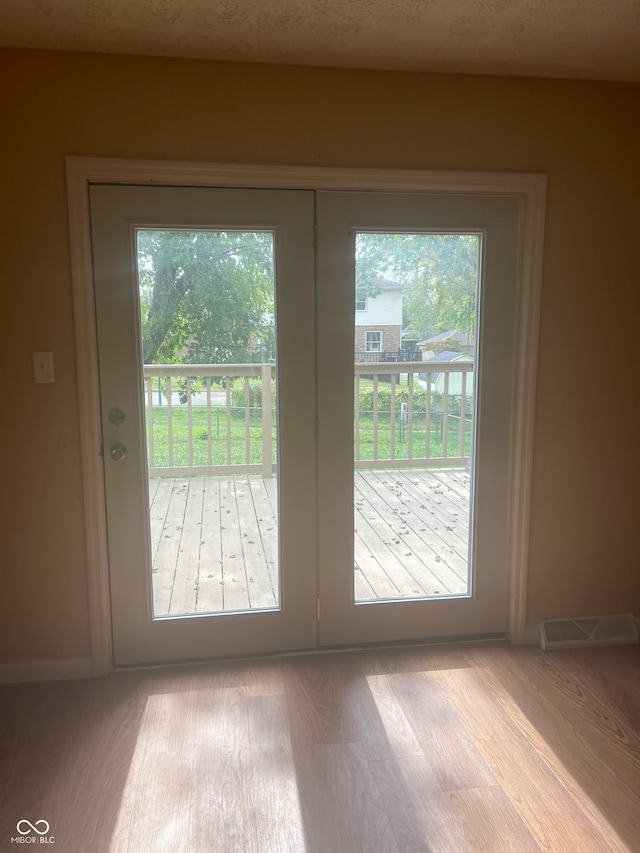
206	296
440	271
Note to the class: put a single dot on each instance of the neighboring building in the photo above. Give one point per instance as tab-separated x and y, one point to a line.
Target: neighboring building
379	319
462	341
455	379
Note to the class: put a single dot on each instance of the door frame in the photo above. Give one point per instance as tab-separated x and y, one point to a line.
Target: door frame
529	189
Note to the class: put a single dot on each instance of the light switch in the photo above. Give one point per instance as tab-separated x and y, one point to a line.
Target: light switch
43	367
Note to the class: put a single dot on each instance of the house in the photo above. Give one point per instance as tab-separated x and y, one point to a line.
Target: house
463	342
379	318
583	549
455	379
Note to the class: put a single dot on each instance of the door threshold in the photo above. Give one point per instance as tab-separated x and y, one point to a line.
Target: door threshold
461	640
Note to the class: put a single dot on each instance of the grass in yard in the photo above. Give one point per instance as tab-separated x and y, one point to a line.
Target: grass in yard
418	438
238	427
201	427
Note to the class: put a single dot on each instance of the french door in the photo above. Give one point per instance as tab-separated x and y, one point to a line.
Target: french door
431	495
206	556
254	503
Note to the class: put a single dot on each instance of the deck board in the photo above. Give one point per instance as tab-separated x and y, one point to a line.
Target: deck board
210	587
234	575
215	539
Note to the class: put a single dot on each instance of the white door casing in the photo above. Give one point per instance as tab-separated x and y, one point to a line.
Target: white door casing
529	194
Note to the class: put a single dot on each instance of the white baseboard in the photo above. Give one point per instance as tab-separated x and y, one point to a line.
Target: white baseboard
45	670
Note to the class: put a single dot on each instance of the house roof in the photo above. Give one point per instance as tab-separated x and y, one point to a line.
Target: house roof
463	338
385	284
448	355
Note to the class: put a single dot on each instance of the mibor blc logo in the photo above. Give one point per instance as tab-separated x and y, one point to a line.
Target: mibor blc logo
33	833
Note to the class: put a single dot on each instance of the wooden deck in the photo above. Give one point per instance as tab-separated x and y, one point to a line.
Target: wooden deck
215	539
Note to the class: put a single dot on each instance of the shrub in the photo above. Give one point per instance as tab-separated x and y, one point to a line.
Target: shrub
384	398
255	393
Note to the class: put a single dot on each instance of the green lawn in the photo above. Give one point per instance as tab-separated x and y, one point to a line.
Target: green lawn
200	432
418	437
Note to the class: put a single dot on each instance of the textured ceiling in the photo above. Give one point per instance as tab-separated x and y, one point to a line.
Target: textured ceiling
592	39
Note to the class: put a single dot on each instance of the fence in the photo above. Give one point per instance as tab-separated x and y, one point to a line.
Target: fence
206	419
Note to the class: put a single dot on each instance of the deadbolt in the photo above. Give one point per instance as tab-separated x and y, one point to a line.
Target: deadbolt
116	417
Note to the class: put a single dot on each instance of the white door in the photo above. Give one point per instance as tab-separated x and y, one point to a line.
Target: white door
238	521
209	461
429	446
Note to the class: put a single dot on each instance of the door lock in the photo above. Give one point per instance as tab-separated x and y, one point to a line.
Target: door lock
116	417
118	452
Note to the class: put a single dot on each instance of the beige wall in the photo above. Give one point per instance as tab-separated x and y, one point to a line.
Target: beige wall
585	535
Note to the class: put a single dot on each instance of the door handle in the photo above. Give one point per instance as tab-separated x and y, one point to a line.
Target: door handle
118	452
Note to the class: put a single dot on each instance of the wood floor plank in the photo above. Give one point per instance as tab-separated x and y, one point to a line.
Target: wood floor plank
286	754
155	811
321	701
574	749
383	726
44	756
614	678
554	816
490	822
222	803
451	753
418	659
420	813
277	816
110	718
581	705
341	806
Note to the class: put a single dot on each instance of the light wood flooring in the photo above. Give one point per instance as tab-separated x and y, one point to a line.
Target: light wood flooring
443	749
215	539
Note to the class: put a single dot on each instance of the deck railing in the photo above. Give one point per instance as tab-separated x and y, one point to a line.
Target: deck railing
420	417
389	355
203	419
221	419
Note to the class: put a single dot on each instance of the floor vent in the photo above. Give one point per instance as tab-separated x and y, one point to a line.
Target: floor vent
590	631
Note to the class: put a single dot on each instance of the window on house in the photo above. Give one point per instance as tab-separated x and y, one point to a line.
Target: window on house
373	341
361	304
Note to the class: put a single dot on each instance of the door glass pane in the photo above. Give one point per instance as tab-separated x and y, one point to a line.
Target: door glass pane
208	337
415	350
